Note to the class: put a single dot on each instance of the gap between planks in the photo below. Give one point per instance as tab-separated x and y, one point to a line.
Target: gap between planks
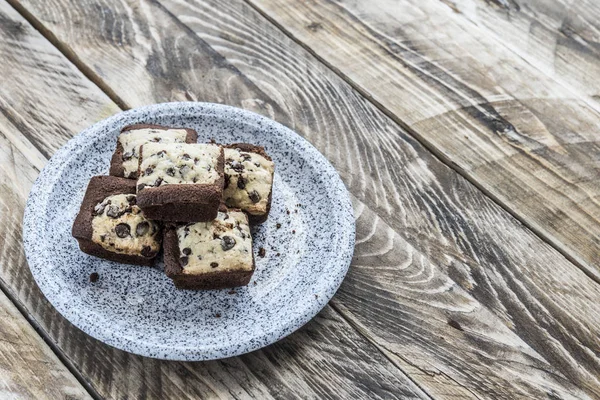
358	327
538	231
50	342
106	89
69	54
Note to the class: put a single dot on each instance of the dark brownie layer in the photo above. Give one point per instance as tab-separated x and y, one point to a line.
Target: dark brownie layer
116	162
189	202
99	188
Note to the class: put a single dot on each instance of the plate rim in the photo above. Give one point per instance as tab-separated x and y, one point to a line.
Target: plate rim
38	199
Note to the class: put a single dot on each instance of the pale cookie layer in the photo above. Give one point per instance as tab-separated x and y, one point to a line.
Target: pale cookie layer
224	244
178	163
249	179
133	139
119	226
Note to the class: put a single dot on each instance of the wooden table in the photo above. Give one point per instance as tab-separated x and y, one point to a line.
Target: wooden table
467	131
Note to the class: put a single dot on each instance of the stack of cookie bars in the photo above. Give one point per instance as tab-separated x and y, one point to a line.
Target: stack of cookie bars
195	201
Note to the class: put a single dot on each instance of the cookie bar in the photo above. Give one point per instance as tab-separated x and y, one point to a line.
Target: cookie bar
180	182
124	162
210	255
248	180
110	225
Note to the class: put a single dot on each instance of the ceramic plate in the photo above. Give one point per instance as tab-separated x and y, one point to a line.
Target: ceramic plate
137	309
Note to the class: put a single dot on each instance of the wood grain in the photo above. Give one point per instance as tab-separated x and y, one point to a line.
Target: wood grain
525	139
28	368
442	287
325	359
556	36
419	187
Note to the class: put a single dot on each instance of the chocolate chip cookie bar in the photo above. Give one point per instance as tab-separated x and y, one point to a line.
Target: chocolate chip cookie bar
110	224
180	182
248	180
210	255
125	160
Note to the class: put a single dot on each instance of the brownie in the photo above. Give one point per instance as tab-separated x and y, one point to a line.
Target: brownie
210	255
248	180
110	225
180	182
124	162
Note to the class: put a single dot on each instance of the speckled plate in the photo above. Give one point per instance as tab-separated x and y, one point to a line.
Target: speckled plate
137	309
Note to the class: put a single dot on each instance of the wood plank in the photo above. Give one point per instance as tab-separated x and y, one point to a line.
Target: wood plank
28	367
558	37
464	308
527	141
278	66
326	358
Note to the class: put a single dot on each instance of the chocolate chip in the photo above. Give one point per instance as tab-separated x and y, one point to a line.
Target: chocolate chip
183	261
158	181
94	277
127	155
257	164
214	264
226	181
155	140
170	171
237	166
199	257
132	199
102	238
141	186
228	160
196	161
254	196
122	230
99	209
208	168
113	212
262	252
148	171
186	156
227	243
187	251
161	153
142	228
246	156
147	252
241	183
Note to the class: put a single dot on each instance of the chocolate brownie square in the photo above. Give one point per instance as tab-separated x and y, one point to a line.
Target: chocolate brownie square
110	225
124	162
210	255
248	180
180	182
